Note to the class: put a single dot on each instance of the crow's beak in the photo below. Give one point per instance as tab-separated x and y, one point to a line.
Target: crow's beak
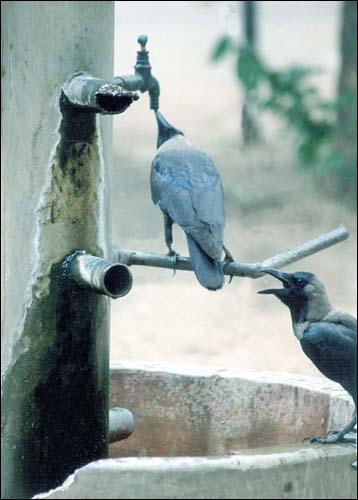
285	278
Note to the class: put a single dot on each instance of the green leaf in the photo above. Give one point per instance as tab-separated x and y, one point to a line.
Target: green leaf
223	45
249	69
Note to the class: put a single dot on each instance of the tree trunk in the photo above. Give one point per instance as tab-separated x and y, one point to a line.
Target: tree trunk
250	131
347	115
346	125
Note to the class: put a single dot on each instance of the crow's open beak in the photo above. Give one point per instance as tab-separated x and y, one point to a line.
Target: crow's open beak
285	278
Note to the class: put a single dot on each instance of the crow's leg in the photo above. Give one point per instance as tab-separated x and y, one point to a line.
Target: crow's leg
168	232
228	258
228	255
339	435
168	235
350	427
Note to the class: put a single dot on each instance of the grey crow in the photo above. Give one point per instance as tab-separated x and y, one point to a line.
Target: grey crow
187	187
327	335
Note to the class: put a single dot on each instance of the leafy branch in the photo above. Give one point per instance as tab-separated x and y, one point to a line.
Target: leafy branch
290	94
287	93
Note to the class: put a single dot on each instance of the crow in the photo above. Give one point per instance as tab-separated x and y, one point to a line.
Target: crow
187	187
328	336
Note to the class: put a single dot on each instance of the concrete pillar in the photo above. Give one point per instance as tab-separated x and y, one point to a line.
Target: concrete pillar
55	199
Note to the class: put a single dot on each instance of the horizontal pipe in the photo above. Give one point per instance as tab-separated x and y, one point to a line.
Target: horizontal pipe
96	95
235	268
129	82
121	424
108	278
138	82
308	248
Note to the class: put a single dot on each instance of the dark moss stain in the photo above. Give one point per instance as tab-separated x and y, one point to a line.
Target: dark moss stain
288	487
56	392
72	191
77	125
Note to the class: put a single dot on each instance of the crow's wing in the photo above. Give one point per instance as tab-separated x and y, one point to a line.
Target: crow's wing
333	349
343	318
187	186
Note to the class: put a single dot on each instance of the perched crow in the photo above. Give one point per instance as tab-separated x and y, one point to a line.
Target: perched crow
187	187
327	335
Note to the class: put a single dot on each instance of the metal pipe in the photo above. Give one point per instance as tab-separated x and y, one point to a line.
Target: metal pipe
121	424
111	279
99	96
235	268
307	248
129	82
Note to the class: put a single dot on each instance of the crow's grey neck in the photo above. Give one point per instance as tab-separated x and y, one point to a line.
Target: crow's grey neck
312	311
165	136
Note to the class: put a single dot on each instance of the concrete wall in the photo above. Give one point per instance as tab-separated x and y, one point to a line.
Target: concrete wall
226	415
184	411
303	471
54	199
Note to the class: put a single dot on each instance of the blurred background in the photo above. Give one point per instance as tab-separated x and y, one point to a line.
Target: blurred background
268	90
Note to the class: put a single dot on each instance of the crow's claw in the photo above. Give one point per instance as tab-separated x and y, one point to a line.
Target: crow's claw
174	256
228	258
332	437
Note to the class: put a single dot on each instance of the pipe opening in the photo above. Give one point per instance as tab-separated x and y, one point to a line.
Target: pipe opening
118	280
114	103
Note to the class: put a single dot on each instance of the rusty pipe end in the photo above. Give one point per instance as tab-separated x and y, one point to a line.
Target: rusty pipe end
111	279
117	280
96	95
112	99
121	424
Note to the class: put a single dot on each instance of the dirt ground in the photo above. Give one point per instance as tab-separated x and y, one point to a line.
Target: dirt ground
172	318
270	206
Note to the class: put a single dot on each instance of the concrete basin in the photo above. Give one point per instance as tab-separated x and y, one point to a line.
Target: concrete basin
204	433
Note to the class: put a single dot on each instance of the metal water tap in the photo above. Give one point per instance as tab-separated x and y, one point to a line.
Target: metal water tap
142	80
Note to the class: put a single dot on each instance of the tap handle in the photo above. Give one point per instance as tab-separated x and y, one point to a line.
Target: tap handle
142	40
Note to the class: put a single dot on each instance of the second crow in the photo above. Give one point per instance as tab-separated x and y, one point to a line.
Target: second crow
327	335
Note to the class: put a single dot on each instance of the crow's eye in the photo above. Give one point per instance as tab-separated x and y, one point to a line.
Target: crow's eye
301	282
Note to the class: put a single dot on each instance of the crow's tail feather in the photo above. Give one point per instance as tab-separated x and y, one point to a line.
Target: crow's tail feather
208	271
